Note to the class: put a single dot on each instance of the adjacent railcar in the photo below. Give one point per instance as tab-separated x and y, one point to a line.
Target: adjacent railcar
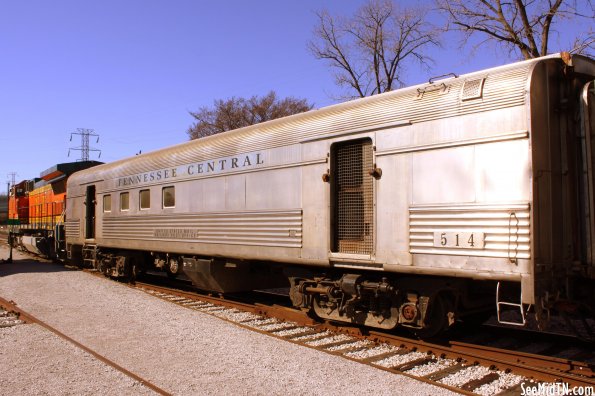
37	207
410	208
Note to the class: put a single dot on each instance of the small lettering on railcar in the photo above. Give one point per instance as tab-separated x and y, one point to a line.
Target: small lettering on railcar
176	233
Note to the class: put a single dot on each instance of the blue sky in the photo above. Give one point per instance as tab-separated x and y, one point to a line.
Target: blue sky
131	70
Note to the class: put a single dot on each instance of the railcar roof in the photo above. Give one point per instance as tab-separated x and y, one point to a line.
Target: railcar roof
505	86
62	170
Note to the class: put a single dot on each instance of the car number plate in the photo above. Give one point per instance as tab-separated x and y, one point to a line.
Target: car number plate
459	240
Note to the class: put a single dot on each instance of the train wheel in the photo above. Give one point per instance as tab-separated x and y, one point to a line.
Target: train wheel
439	317
174	267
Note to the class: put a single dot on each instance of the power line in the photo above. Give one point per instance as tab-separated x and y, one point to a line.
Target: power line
84	147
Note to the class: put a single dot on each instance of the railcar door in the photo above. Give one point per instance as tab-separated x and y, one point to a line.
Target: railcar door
588	135
352	197
90	213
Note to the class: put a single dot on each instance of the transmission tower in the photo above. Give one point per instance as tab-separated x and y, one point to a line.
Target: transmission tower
84	148
10	182
12	176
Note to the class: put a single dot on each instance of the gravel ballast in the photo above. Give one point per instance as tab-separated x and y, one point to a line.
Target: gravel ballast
177	349
36	361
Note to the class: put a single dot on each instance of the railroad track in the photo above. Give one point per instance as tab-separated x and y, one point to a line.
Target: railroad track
16	316
458	365
464	367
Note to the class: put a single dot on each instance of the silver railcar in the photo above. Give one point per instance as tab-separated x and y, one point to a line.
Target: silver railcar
413	207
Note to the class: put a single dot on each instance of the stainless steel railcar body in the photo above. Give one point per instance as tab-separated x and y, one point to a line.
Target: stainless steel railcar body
487	176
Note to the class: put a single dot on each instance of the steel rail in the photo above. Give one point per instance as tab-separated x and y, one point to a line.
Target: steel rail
283	313
28	318
537	367
533	366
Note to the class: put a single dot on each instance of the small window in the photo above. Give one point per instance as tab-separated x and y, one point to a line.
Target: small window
124	201
145	199
107	203
169	197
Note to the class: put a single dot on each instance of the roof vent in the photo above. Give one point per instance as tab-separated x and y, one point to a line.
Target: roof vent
472	89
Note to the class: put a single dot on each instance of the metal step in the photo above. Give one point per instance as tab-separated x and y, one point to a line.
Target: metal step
90	254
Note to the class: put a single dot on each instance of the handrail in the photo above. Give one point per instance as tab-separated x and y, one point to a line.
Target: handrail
434	79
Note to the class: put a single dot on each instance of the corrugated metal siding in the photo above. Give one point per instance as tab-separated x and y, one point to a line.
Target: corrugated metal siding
278	229
72	228
506	229
504	87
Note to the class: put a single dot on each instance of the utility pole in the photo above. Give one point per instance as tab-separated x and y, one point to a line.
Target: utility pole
84	147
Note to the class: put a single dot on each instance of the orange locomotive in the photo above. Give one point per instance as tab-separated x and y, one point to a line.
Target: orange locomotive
18	203
36	210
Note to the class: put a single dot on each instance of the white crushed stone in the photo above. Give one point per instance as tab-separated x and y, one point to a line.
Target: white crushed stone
356	344
277	326
329	340
260	322
400	359
292	332
194	303
176	299
431	367
465	375
8	319
10	323
212	308
204	304
505	381
324	333
36	361
368	353
234	315
181	350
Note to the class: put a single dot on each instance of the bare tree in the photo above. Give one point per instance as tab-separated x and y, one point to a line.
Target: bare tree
370	50
522	26
235	113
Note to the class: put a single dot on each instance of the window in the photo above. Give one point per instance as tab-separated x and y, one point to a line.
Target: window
107	203
124	201
145	199
169	197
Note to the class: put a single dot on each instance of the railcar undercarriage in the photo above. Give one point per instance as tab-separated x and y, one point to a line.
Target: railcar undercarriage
41	242
426	306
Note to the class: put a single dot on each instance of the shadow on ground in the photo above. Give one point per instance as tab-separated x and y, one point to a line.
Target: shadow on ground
26	264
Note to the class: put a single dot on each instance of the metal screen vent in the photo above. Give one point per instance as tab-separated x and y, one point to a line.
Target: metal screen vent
353	196
472	89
